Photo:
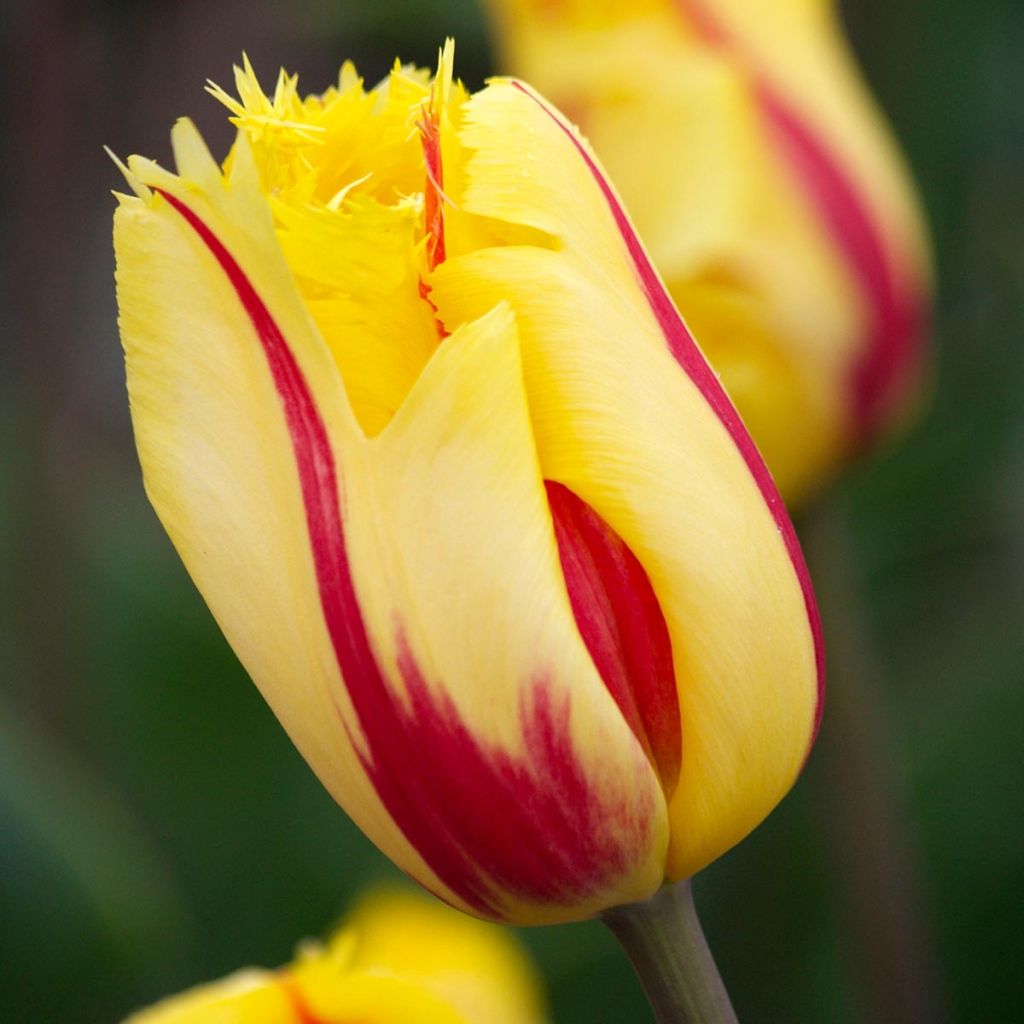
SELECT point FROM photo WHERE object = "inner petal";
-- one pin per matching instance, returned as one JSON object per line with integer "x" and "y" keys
{"x": 623, "y": 626}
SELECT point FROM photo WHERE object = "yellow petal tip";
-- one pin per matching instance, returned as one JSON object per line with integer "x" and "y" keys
{"x": 191, "y": 155}
{"x": 141, "y": 190}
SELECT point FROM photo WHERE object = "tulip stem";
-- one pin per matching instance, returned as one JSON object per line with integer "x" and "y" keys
{"x": 666, "y": 944}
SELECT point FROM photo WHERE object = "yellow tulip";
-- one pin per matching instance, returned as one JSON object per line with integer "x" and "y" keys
{"x": 770, "y": 193}
{"x": 397, "y": 959}
{"x": 462, "y": 493}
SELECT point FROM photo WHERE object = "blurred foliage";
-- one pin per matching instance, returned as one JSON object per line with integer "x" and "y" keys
{"x": 157, "y": 828}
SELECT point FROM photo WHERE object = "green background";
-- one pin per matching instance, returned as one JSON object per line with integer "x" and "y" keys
{"x": 157, "y": 828}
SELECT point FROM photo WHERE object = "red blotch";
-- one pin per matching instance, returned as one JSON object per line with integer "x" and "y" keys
{"x": 492, "y": 826}
{"x": 622, "y": 624}
{"x": 682, "y": 346}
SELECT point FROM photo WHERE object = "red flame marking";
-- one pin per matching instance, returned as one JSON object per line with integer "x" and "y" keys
{"x": 622, "y": 624}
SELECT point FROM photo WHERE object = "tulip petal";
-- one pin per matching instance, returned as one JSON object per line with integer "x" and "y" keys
{"x": 621, "y": 622}
{"x": 321, "y": 992}
{"x": 498, "y": 750}
{"x": 765, "y": 291}
{"x": 629, "y": 417}
{"x": 203, "y": 290}
{"x": 358, "y": 271}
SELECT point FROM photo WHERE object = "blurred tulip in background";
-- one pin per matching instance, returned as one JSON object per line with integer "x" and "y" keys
{"x": 770, "y": 194}
{"x": 397, "y": 959}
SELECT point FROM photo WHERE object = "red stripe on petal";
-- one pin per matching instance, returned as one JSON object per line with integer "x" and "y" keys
{"x": 682, "y": 346}
{"x": 622, "y": 624}
{"x": 493, "y": 827}
{"x": 898, "y": 306}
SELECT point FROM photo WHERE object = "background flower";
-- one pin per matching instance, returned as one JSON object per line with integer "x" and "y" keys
{"x": 396, "y": 958}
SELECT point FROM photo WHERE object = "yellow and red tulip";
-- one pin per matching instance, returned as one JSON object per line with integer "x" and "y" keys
{"x": 461, "y": 491}
{"x": 770, "y": 193}
{"x": 396, "y": 959}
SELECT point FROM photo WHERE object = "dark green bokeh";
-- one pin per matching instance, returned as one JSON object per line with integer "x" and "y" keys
{"x": 157, "y": 828}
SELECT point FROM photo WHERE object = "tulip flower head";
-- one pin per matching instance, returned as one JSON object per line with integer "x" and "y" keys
{"x": 462, "y": 493}
{"x": 771, "y": 195}
{"x": 396, "y": 959}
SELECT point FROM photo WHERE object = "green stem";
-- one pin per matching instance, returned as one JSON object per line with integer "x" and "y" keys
{"x": 666, "y": 944}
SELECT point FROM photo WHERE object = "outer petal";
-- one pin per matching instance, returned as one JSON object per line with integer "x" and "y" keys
{"x": 398, "y": 600}
{"x": 215, "y": 443}
{"x": 628, "y": 416}
{"x": 796, "y": 46}
{"x": 502, "y": 754}
{"x": 399, "y": 959}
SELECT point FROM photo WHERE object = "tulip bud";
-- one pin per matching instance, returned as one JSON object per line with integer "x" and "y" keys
{"x": 770, "y": 193}
{"x": 462, "y": 493}
{"x": 396, "y": 958}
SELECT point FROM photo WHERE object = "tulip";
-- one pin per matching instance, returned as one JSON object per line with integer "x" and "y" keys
{"x": 397, "y": 958}
{"x": 772, "y": 198}
{"x": 461, "y": 491}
